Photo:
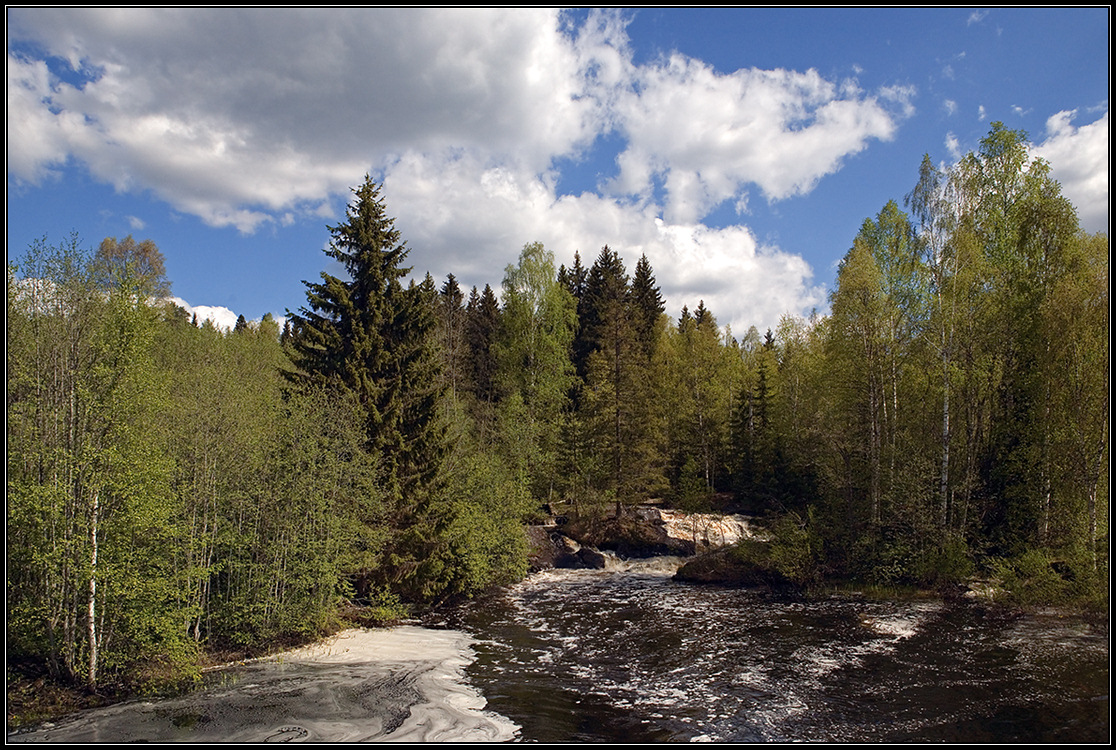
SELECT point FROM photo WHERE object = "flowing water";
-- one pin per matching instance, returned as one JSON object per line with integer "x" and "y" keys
{"x": 629, "y": 655}
{"x": 632, "y": 655}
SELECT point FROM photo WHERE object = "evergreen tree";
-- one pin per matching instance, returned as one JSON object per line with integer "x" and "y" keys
{"x": 451, "y": 335}
{"x": 482, "y": 327}
{"x": 606, "y": 330}
{"x": 370, "y": 335}
{"x": 647, "y": 307}
{"x": 575, "y": 281}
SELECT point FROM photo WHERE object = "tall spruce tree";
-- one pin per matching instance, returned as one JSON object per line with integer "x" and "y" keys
{"x": 647, "y": 307}
{"x": 607, "y": 330}
{"x": 482, "y": 324}
{"x": 369, "y": 335}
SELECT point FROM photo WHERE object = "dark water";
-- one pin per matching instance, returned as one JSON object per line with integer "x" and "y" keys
{"x": 631, "y": 655}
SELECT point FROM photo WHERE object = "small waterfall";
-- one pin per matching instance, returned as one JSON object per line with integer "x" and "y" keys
{"x": 665, "y": 565}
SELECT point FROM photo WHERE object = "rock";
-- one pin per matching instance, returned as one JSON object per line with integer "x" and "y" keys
{"x": 704, "y": 530}
{"x": 591, "y": 558}
{"x": 627, "y": 536}
{"x": 552, "y": 549}
{"x": 747, "y": 565}
{"x": 648, "y": 531}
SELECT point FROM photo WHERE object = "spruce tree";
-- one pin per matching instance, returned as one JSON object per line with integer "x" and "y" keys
{"x": 371, "y": 336}
{"x": 647, "y": 307}
{"x": 576, "y": 281}
{"x": 451, "y": 335}
{"x": 482, "y": 323}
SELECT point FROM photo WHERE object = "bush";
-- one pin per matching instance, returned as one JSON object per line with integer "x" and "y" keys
{"x": 1030, "y": 578}
{"x": 946, "y": 562}
{"x": 792, "y": 549}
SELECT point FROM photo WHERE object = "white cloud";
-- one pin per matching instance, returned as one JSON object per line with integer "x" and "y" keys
{"x": 237, "y": 115}
{"x": 953, "y": 146}
{"x": 976, "y": 17}
{"x": 222, "y": 317}
{"x": 950, "y": 107}
{"x": 740, "y": 281}
{"x": 706, "y": 135}
{"x": 246, "y": 117}
{"x": 1079, "y": 159}
{"x": 36, "y": 136}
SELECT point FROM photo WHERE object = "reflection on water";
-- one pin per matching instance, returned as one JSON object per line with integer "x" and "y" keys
{"x": 632, "y": 655}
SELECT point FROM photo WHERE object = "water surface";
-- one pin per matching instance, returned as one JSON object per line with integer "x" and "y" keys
{"x": 632, "y": 655}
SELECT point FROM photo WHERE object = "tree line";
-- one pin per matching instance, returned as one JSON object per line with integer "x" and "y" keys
{"x": 172, "y": 486}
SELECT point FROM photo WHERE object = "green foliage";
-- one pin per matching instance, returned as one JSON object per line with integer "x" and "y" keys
{"x": 1029, "y": 578}
{"x": 537, "y": 325}
{"x": 370, "y": 336}
{"x": 794, "y": 548}
{"x": 947, "y": 561}
{"x": 1051, "y": 577}
{"x": 193, "y": 488}
{"x": 91, "y": 521}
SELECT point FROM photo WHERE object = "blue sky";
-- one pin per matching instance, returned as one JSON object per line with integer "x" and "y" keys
{"x": 740, "y": 149}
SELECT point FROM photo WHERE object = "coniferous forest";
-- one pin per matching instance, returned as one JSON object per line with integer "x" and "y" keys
{"x": 174, "y": 488}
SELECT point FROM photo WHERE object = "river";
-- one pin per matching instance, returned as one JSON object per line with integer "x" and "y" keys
{"x": 627, "y": 654}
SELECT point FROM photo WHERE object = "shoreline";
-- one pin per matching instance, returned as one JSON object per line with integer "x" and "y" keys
{"x": 403, "y": 683}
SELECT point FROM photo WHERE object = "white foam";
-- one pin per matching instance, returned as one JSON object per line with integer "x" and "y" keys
{"x": 451, "y": 710}
{"x": 403, "y": 684}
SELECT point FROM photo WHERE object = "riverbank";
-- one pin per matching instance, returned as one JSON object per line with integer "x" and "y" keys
{"x": 34, "y": 698}
{"x": 402, "y": 683}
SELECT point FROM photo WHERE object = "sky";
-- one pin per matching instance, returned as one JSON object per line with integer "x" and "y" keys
{"x": 739, "y": 149}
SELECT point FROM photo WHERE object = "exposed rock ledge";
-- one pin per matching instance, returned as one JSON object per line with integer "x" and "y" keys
{"x": 639, "y": 531}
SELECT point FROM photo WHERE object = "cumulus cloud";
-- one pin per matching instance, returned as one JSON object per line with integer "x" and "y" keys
{"x": 1079, "y": 160}
{"x": 953, "y": 146}
{"x": 705, "y": 135}
{"x": 236, "y": 115}
{"x": 221, "y": 317}
{"x": 742, "y": 282}
{"x": 248, "y": 117}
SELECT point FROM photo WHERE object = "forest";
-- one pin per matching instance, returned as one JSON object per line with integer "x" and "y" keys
{"x": 174, "y": 488}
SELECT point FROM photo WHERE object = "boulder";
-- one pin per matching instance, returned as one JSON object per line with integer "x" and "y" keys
{"x": 746, "y": 565}
{"x": 552, "y": 549}
{"x": 627, "y": 536}
{"x": 648, "y": 531}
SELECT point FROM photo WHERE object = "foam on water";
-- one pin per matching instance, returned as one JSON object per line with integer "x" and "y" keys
{"x": 403, "y": 684}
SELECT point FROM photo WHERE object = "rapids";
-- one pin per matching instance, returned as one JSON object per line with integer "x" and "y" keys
{"x": 627, "y": 654}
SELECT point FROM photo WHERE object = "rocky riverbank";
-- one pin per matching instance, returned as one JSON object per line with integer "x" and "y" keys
{"x": 636, "y": 532}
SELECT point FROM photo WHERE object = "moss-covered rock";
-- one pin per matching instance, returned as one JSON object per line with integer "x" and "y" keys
{"x": 746, "y": 564}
